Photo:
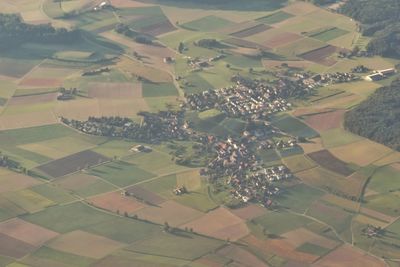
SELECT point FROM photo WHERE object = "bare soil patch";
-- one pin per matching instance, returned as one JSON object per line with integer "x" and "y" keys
{"x": 159, "y": 28}
{"x": 14, "y": 248}
{"x": 282, "y": 39}
{"x": 115, "y": 90}
{"x": 145, "y": 195}
{"x": 170, "y": 211}
{"x": 116, "y": 202}
{"x": 330, "y": 162}
{"x": 251, "y": 31}
{"x": 348, "y": 256}
{"x": 301, "y": 235}
{"x": 41, "y": 82}
{"x": 85, "y": 244}
{"x": 72, "y": 163}
{"x": 26, "y": 232}
{"x": 326, "y": 120}
{"x": 220, "y": 223}
{"x": 249, "y": 212}
{"x": 321, "y": 55}
{"x": 32, "y": 99}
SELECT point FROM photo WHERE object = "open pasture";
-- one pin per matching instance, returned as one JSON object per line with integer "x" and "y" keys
{"x": 240, "y": 256}
{"x": 220, "y": 223}
{"x": 121, "y": 173}
{"x": 85, "y": 244}
{"x": 26, "y": 232}
{"x": 328, "y": 180}
{"x": 14, "y": 248}
{"x": 115, "y": 90}
{"x": 275, "y": 17}
{"x": 116, "y": 202}
{"x": 170, "y": 211}
{"x": 66, "y": 218}
{"x": 84, "y": 185}
{"x": 159, "y": 90}
{"x": 9, "y": 209}
{"x": 385, "y": 180}
{"x": 299, "y": 47}
{"x": 338, "y": 137}
{"x": 14, "y": 68}
{"x": 301, "y": 236}
{"x": 349, "y": 256}
{"x": 28, "y": 200}
{"x": 33, "y": 99}
{"x": 54, "y": 193}
{"x": 293, "y": 126}
{"x": 282, "y": 249}
{"x": 73, "y": 163}
{"x": 325, "y": 159}
{"x": 328, "y": 34}
{"x": 250, "y": 31}
{"x": 60, "y": 147}
{"x": 299, "y": 197}
{"x": 298, "y": 163}
{"x": 180, "y": 245}
{"x": 207, "y": 24}
{"x": 336, "y": 217}
{"x": 11, "y": 181}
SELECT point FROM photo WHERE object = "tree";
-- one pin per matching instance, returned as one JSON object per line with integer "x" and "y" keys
{"x": 181, "y": 47}
{"x": 166, "y": 227}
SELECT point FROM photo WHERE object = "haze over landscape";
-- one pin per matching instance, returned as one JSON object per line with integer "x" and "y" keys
{"x": 201, "y": 133}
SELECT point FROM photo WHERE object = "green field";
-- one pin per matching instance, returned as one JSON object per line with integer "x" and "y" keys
{"x": 293, "y": 126}
{"x": 280, "y": 222}
{"x": 121, "y": 173}
{"x": 207, "y": 24}
{"x": 299, "y": 197}
{"x": 329, "y": 34}
{"x": 159, "y": 90}
{"x": 181, "y": 245}
{"x": 275, "y": 17}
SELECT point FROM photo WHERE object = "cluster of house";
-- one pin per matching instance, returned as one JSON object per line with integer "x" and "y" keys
{"x": 101, "y": 6}
{"x": 250, "y": 181}
{"x": 240, "y": 101}
{"x": 66, "y": 94}
{"x": 141, "y": 148}
{"x": 154, "y": 128}
{"x": 372, "y": 231}
{"x": 180, "y": 190}
{"x": 336, "y": 77}
{"x": 96, "y": 71}
{"x": 378, "y": 75}
{"x": 259, "y": 185}
{"x": 200, "y": 62}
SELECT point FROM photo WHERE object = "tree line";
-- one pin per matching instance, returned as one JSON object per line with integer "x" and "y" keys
{"x": 13, "y": 32}
{"x": 380, "y": 20}
{"x": 377, "y": 118}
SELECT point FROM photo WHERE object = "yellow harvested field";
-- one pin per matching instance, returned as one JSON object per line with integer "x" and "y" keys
{"x": 191, "y": 180}
{"x": 25, "y": 120}
{"x": 312, "y": 145}
{"x": 85, "y": 244}
{"x": 392, "y": 158}
{"x": 11, "y": 181}
{"x": 376, "y": 214}
{"x": 368, "y": 220}
{"x": 347, "y": 255}
{"x": 362, "y": 153}
{"x": 170, "y": 211}
{"x": 58, "y": 148}
{"x": 341, "y": 202}
{"x": 300, "y": 8}
{"x": 220, "y": 223}
{"x": 26, "y": 232}
{"x": 300, "y": 236}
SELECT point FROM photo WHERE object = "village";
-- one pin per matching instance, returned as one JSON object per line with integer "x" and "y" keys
{"x": 239, "y": 167}
{"x": 154, "y": 128}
